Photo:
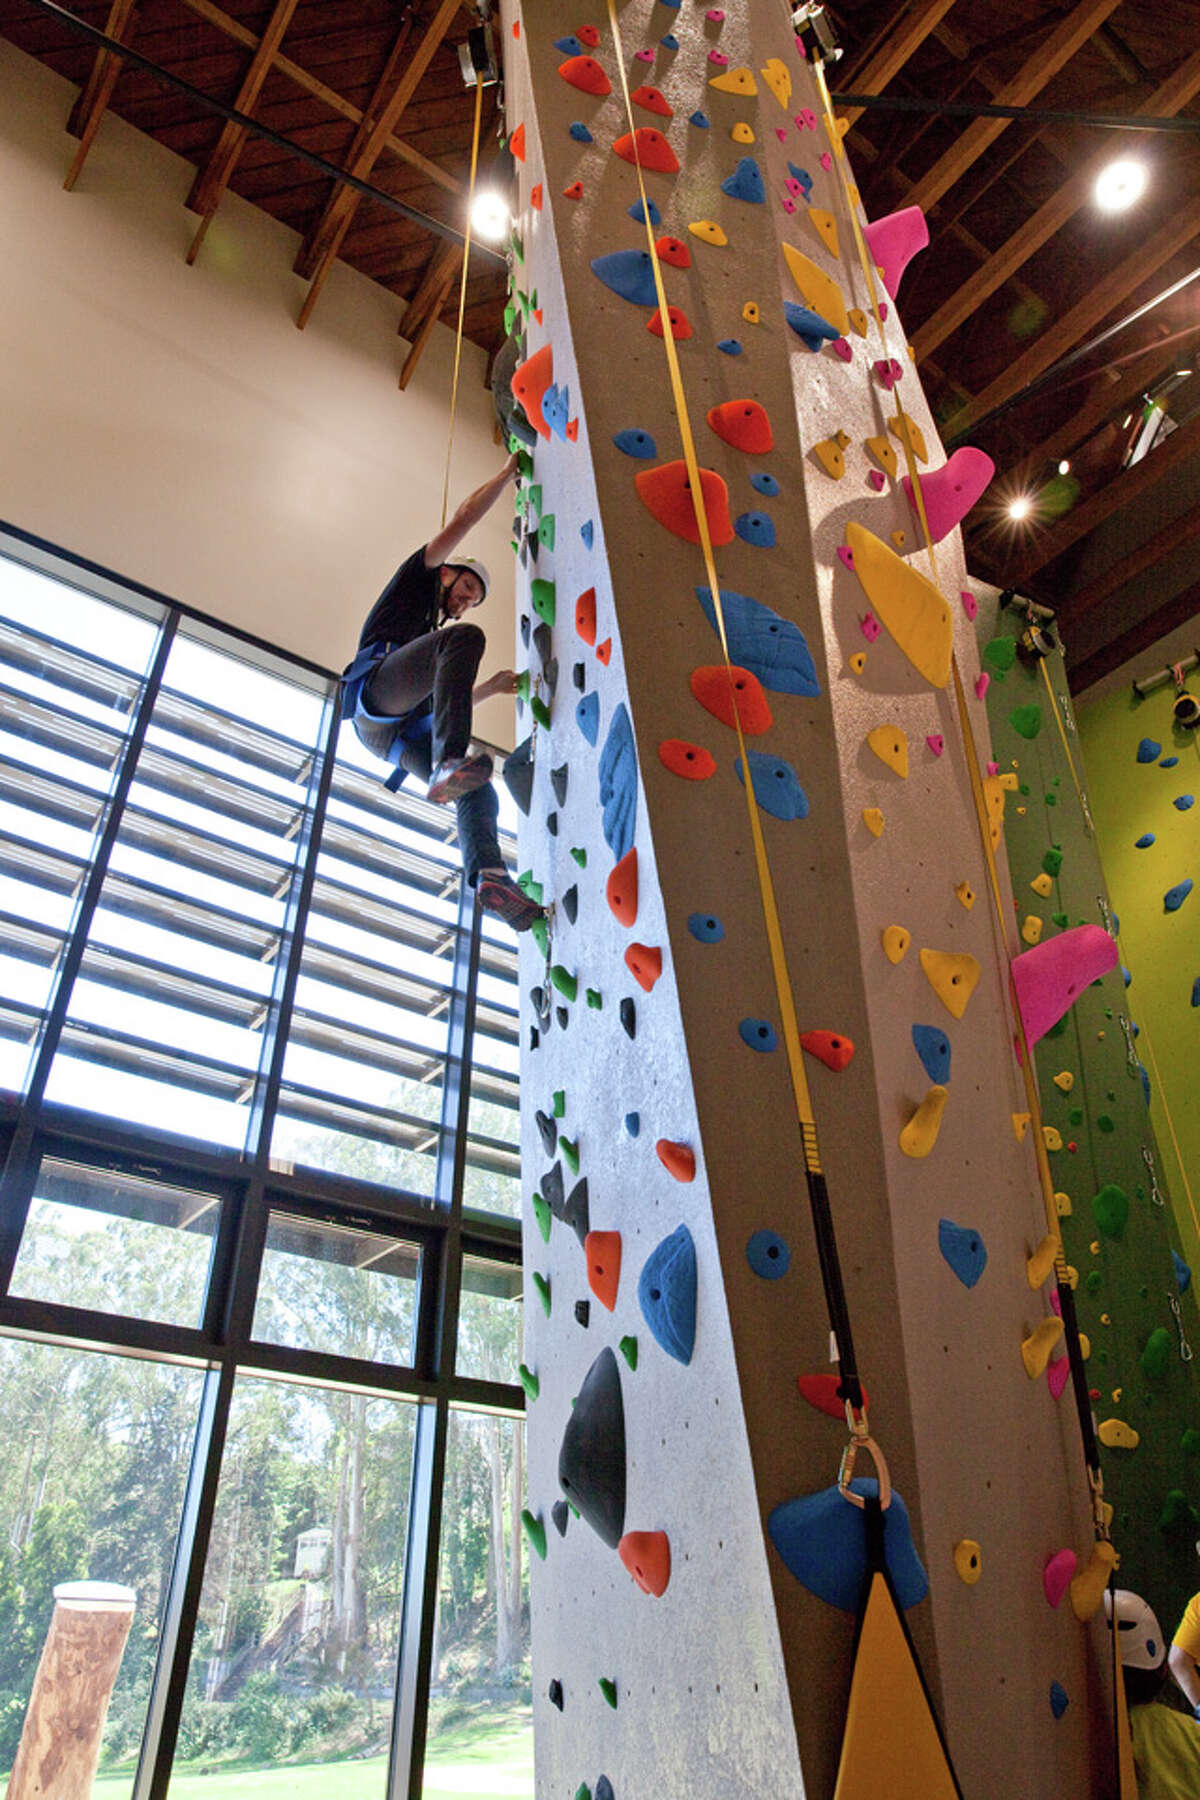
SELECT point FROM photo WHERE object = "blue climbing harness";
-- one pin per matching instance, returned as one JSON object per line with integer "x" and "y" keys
{"x": 411, "y": 732}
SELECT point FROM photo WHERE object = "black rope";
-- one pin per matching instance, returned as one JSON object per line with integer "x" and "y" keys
{"x": 1034, "y": 115}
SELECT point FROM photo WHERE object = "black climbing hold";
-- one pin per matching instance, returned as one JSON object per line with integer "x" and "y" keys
{"x": 574, "y": 1210}
{"x": 542, "y": 644}
{"x": 628, "y": 1012}
{"x": 518, "y": 774}
{"x": 604, "y": 1789}
{"x": 552, "y": 1192}
{"x": 534, "y": 1037}
{"x": 525, "y": 629}
{"x": 591, "y": 1460}
{"x": 552, "y": 823}
{"x": 560, "y": 1512}
{"x": 549, "y": 1131}
{"x": 555, "y": 1690}
{"x": 583, "y": 1312}
{"x": 667, "y": 1294}
{"x": 579, "y": 676}
{"x": 570, "y": 904}
{"x": 558, "y": 781}
{"x": 563, "y": 1016}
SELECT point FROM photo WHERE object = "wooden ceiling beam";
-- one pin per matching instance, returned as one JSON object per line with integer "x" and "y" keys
{"x": 1012, "y": 255}
{"x": 211, "y": 182}
{"x": 1173, "y": 235}
{"x": 1040, "y": 68}
{"x": 446, "y": 259}
{"x": 1173, "y": 614}
{"x": 344, "y": 204}
{"x": 904, "y": 39}
{"x": 1173, "y": 536}
{"x": 93, "y": 99}
{"x": 434, "y": 300}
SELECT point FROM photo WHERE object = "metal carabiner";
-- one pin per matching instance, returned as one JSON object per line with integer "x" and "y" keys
{"x": 862, "y": 1440}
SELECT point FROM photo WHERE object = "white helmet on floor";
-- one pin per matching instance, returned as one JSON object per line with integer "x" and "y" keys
{"x": 1138, "y": 1631}
{"x": 471, "y": 567}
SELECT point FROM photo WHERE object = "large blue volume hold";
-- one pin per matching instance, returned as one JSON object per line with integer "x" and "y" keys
{"x": 591, "y": 1459}
{"x": 771, "y": 647}
{"x": 618, "y": 784}
{"x": 809, "y": 326}
{"x": 746, "y": 182}
{"x": 822, "y": 1540}
{"x": 629, "y": 273}
{"x": 667, "y": 1294}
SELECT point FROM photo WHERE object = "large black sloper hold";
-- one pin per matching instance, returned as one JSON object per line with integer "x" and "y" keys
{"x": 591, "y": 1460}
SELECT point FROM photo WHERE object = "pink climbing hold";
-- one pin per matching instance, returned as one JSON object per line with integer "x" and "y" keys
{"x": 982, "y": 684}
{"x": 789, "y": 206}
{"x": 781, "y": 133}
{"x": 993, "y": 768}
{"x": 870, "y": 627}
{"x": 646, "y": 56}
{"x": 950, "y": 492}
{"x": 845, "y": 556}
{"x": 1057, "y": 1574}
{"x": 1058, "y": 1373}
{"x": 876, "y": 479}
{"x": 715, "y": 16}
{"x": 826, "y": 161}
{"x": 970, "y": 604}
{"x": 793, "y": 186}
{"x": 719, "y": 57}
{"x": 883, "y": 311}
{"x": 889, "y": 372}
{"x": 807, "y": 119}
{"x": 842, "y": 350}
{"x": 936, "y": 742}
{"x": 1048, "y": 979}
{"x": 894, "y": 241}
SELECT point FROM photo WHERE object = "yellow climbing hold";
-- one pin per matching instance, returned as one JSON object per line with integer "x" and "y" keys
{"x": 840, "y": 128}
{"x": 818, "y": 289}
{"x": 1116, "y": 1394}
{"x": 1052, "y": 1137}
{"x": 968, "y": 1561}
{"x": 891, "y": 747}
{"x": 993, "y": 795}
{"x": 889, "y": 1722}
{"x": 735, "y": 81}
{"x": 895, "y": 942}
{"x": 901, "y": 426}
{"x": 1020, "y": 1125}
{"x": 857, "y": 664}
{"x": 751, "y": 313}
{"x": 1008, "y": 782}
{"x": 742, "y": 134}
{"x": 899, "y": 538}
{"x": 1064, "y": 1080}
{"x": 873, "y": 820}
{"x": 778, "y": 78}
{"x": 1085, "y": 1342}
{"x": 1115, "y": 1434}
{"x": 1062, "y": 1205}
{"x": 952, "y": 974}
{"x": 906, "y": 603}
{"x": 858, "y": 319}
{"x": 921, "y": 1133}
{"x": 965, "y": 894}
{"x": 708, "y": 231}
{"x": 1031, "y": 930}
{"x": 1039, "y": 1265}
{"x": 1087, "y": 1588}
{"x": 829, "y": 454}
{"x": 1042, "y": 885}
{"x": 884, "y": 455}
{"x": 825, "y": 226}
{"x": 1037, "y": 1348}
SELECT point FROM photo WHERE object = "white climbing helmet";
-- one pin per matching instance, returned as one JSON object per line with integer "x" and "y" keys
{"x": 472, "y": 567}
{"x": 1140, "y": 1635}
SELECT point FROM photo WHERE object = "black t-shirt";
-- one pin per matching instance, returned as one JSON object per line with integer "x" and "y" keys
{"x": 408, "y": 606}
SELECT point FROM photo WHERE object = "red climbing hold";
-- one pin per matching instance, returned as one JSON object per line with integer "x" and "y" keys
{"x": 587, "y": 34}
{"x": 730, "y": 694}
{"x": 674, "y": 251}
{"x": 677, "y": 1159}
{"x": 604, "y": 652}
{"x": 585, "y": 73}
{"x": 603, "y": 1252}
{"x": 653, "y": 101}
{"x": 585, "y": 614}
{"x": 644, "y": 962}
{"x": 516, "y": 142}
{"x": 833, "y": 1048}
{"x": 574, "y": 192}
{"x": 529, "y": 384}
{"x": 691, "y": 761}
{"x": 621, "y": 889}
{"x": 573, "y": 430}
{"x": 821, "y": 1391}
{"x": 647, "y": 1556}
{"x": 745, "y": 425}
{"x": 668, "y": 494}
{"x": 680, "y": 326}
{"x": 535, "y": 196}
{"x": 649, "y": 148}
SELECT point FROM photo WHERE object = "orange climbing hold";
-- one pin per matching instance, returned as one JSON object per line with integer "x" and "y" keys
{"x": 574, "y": 192}
{"x": 821, "y": 1391}
{"x": 730, "y": 694}
{"x": 744, "y": 424}
{"x": 529, "y": 384}
{"x": 585, "y": 73}
{"x": 649, "y": 148}
{"x": 621, "y": 889}
{"x": 516, "y": 142}
{"x": 588, "y": 34}
{"x": 585, "y": 614}
{"x": 691, "y": 761}
{"x": 680, "y": 325}
{"x": 674, "y": 251}
{"x": 603, "y": 1252}
{"x": 647, "y": 1556}
{"x": 833, "y": 1048}
{"x": 677, "y": 1159}
{"x": 535, "y": 196}
{"x": 644, "y": 962}
{"x": 573, "y": 430}
{"x": 604, "y": 652}
{"x": 653, "y": 101}
{"x": 668, "y": 494}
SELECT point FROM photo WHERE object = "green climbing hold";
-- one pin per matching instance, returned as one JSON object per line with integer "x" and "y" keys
{"x": 529, "y": 1381}
{"x": 558, "y": 1103}
{"x": 1025, "y": 790}
{"x": 1075, "y": 1116}
{"x": 540, "y": 711}
{"x": 1001, "y": 653}
{"x": 529, "y": 886}
{"x": 628, "y": 1347}
{"x": 543, "y": 1216}
{"x": 580, "y": 856}
{"x": 570, "y": 1154}
{"x": 546, "y": 532}
{"x": 510, "y": 318}
{"x": 1052, "y": 861}
{"x": 595, "y": 999}
{"x": 1177, "y": 1513}
{"x": 542, "y": 1284}
{"x": 1104, "y": 1123}
{"x": 1111, "y": 1209}
{"x": 583, "y": 1791}
{"x": 539, "y": 931}
{"x": 566, "y": 983}
{"x": 541, "y": 598}
{"x": 535, "y": 1531}
{"x": 1095, "y": 1282}
{"x": 1189, "y": 1443}
{"x": 522, "y": 687}
{"x": 1156, "y": 1357}
{"x": 535, "y": 497}
{"x": 1026, "y": 721}
{"x": 609, "y": 1690}
{"x": 1062, "y": 920}
{"x": 1051, "y": 799}
{"x": 1058, "y": 1029}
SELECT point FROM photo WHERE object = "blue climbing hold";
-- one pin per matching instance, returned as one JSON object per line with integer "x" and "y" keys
{"x": 580, "y": 132}
{"x": 587, "y": 717}
{"x": 822, "y": 1541}
{"x": 670, "y": 42}
{"x": 629, "y": 273}
{"x": 776, "y": 785}
{"x": 638, "y": 212}
{"x": 809, "y": 326}
{"x": 587, "y": 532}
{"x": 570, "y": 46}
{"x": 618, "y": 784}
{"x": 755, "y": 528}
{"x": 1058, "y": 1699}
{"x": 1183, "y": 802}
{"x": 746, "y": 182}
{"x": 1145, "y": 1080}
{"x": 800, "y": 175}
{"x": 1145, "y": 841}
{"x": 699, "y": 119}
{"x": 635, "y": 443}
{"x": 556, "y": 409}
{"x": 706, "y": 928}
{"x": 1196, "y": 991}
{"x": 1126, "y": 975}
{"x": 758, "y": 1034}
{"x": 1183, "y": 1274}
{"x": 633, "y": 1123}
{"x": 762, "y": 641}
{"x": 730, "y": 346}
{"x": 1169, "y": 762}
{"x": 667, "y": 1294}
{"x": 933, "y": 1047}
{"x": 1148, "y": 751}
{"x": 963, "y": 1249}
{"x": 1174, "y": 897}
{"x": 764, "y": 483}
{"x": 768, "y": 1255}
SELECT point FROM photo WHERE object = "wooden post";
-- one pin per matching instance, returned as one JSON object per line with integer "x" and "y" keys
{"x": 64, "y": 1721}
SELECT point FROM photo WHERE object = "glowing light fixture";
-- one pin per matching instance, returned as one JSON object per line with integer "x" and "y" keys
{"x": 1020, "y": 507}
{"x": 1064, "y": 467}
{"x": 1119, "y": 185}
{"x": 490, "y": 217}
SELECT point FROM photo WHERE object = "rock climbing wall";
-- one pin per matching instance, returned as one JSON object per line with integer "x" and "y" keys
{"x": 693, "y": 1614}
{"x": 1134, "y": 1296}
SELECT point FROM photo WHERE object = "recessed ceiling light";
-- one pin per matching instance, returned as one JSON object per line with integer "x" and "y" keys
{"x": 1020, "y": 508}
{"x": 490, "y": 216}
{"x": 1119, "y": 185}
{"x": 1064, "y": 467}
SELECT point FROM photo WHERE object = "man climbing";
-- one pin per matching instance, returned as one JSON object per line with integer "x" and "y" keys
{"x": 409, "y": 693}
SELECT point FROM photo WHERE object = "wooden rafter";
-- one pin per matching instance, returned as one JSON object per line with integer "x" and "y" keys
{"x": 344, "y": 204}
{"x": 1029, "y": 81}
{"x": 1173, "y": 536}
{"x": 424, "y": 309}
{"x": 902, "y": 42}
{"x": 211, "y": 182}
{"x": 93, "y": 100}
{"x": 1169, "y": 617}
{"x": 1165, "y": 102}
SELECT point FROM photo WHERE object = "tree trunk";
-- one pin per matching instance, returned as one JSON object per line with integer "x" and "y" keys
{"x": 64, "y": 1721}
{"x": 515, "y": 1534}
{"x": 496, "y": 1547}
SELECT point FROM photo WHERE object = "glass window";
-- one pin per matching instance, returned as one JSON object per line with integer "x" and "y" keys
{"x": 490, "y": 1320}
{"x": 334, "y": 1288}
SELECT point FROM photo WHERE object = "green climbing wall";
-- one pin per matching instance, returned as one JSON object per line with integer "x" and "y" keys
{"x": 1134, "y": 1299}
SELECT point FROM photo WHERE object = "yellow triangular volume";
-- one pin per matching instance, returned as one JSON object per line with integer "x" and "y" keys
{"x": 825, "y": 226}
{"x": 906, "y": 603}
{"x": 778, "y": 78}
{"x": 818, "y": 290}
{"x": 891, "y": 747}
{"x": 891, "y": 1745}
{"x": 735, "y": 81}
